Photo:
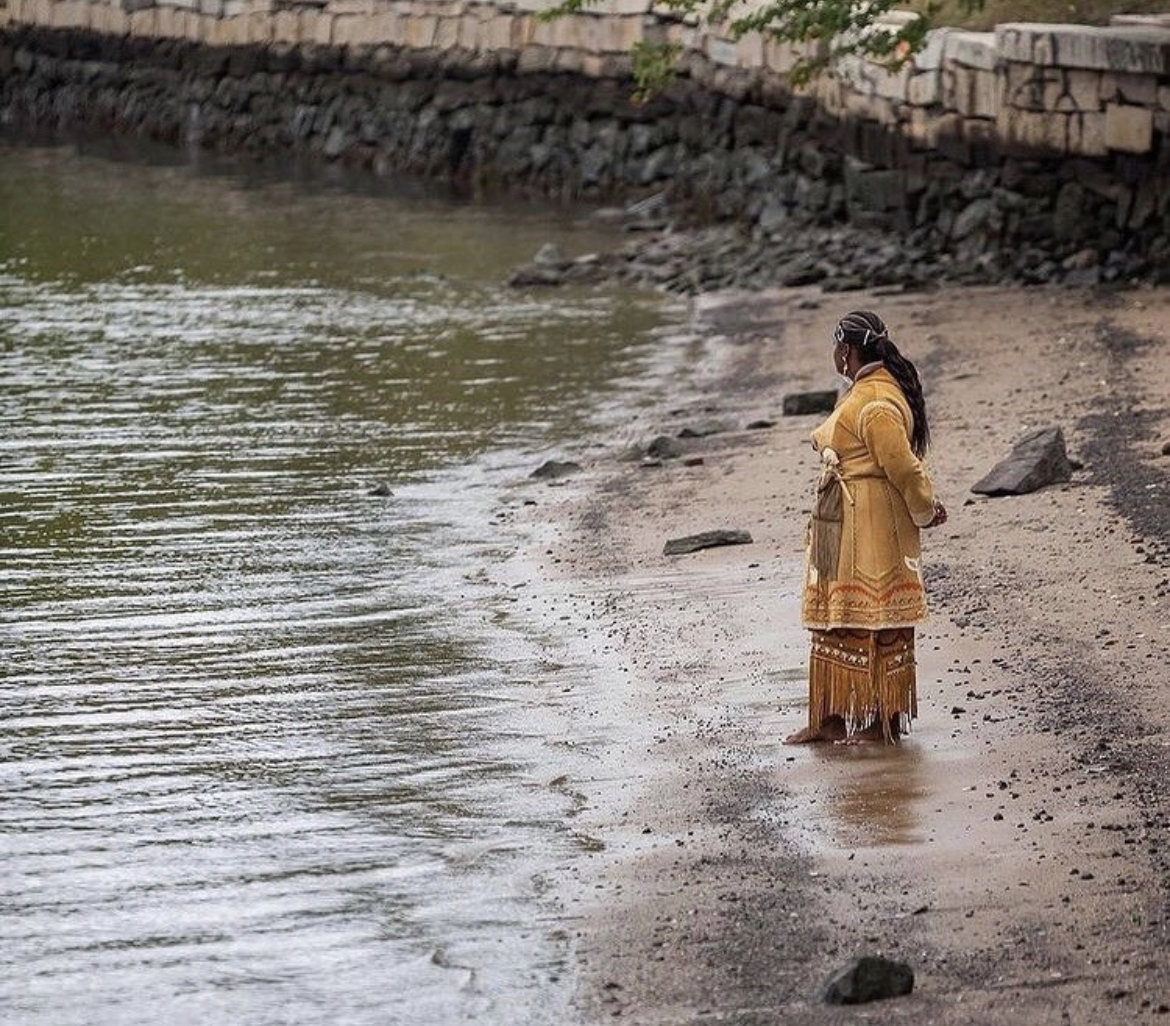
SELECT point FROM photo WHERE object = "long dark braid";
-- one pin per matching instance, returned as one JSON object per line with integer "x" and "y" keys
{"x": 868, "y": 333}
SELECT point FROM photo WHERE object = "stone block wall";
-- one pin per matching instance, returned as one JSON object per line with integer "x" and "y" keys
{"x": 1033, "y": 144}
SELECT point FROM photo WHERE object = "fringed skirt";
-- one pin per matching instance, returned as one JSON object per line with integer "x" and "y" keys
{"x": 865, "y": 677}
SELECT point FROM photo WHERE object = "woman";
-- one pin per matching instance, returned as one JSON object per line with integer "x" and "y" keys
{"x": 863, "y": 584}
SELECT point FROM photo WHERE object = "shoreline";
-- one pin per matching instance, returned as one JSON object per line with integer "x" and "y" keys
{"x": 1010, "y": 848}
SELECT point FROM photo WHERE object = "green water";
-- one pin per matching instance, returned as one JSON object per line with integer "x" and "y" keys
{"x": 262, "y": 760}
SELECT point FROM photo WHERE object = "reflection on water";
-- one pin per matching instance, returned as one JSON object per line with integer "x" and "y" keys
{"x": 265, "y": 758}
{"x": 878, "y": 792}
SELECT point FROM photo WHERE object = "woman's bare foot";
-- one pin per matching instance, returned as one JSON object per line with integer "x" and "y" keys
{"x": 830, "y": 731}
{"x": 873, "y": 734}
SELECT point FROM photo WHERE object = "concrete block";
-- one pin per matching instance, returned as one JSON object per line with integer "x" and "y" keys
{"x": 110, "y": 20}
{"x": 286, "y": 27}
{"x": 1129, "y": 129}
{"x": 542, "y": 34}
{"x": 779, "y": 57}
{"x": 1073, "y": 89}
{"x": 972, "y": 92}
{"x": 618, "y": 35}
{"x": 721, "y": 51}
{"x": 1024, "y": 85}
{"x": 972, "y": 49}
{"x": 750, "y": 51}
{"x": 868, "y": 108}
{"x": 234, "y": 8}
{"x": 522, "y": 28}
{"x": 420, "y": 32}
{"x": 1033, "y": 131}
{"x": 211, "y": 7}
{"x": 1086, "y": 135}
{"x": 921, "y": 128}
{"x": 933, "y": 52}
{"x": 39, "y": 12}
{"x": 1141, "y": 90}
{"x": 447, "y": 33}
{"x": 924, "y": 89}
{"x": 1134, "y": 49}
{"x": 357, "y": 8}
{"x": 1144, "y": 20}
{"x": 623, "y": 7}
{"x": 323, "y": 29}
{"x": 169, "y": 26}
{"x": 70, "y": 14}
{"x": 259, "y": 29}
{"x": 144, "y": 23}
{"x": 891, "y": 85}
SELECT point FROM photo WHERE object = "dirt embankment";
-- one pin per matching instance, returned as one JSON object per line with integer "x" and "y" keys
{"x": 1014, "y": 848}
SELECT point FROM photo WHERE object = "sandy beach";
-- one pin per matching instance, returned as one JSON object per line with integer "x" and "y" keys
{"x": 1013, "y": 848}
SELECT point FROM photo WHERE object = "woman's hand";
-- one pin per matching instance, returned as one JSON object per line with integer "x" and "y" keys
{"x": 940, "y": 515}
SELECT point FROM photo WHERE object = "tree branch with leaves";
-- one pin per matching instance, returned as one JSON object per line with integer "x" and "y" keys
{"x": 835, "y": 28}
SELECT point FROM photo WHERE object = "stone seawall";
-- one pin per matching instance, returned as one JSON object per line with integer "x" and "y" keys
{"x": 1032, "y": 152}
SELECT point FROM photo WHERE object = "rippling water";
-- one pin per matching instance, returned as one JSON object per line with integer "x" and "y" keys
{"x": 267, "y": 755}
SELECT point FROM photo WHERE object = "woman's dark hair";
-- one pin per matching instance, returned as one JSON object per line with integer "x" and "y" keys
{"x": 867, "y": 333}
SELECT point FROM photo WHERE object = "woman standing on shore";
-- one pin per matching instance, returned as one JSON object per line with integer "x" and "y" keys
{"x": 863, "y": 590}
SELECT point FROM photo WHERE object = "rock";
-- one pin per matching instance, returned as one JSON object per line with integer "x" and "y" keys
{"x": 773, "y": 216}
{"x": 977, "y": 216}
{"x": 631, "y": 454}
{"x": 694, "y": 461}
{"x": 1081, "y": 260}
{"x": 1166, "y": 448}
{"x": 549, "y": 255}
{"x": 869, "y": 978}
{"x": 381, "y": 489}
{"x": 703, "y": 428}
{"x": 1036, "y": 460}
{"x": 798, "y": 404}
{"x": 761, "y": 425}
{"x": 664, "y": 448}
{"x": 705, "y": 540}
{"x": 535, "y": 274}
{"x": 551, "y": 470}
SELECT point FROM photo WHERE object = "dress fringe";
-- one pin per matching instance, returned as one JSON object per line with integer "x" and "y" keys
{"x": 864, "y": 677}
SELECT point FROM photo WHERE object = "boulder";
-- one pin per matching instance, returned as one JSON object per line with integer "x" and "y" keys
{"x": 551, "y": 470}
{"x": 703, "y": 428}
{"x": 869, "y": 978}
{"x": 705, "y": 540}
{"x": 798, "y": 404}
{"x": 1036, "y": 460}
{"x": 664, "y": 448}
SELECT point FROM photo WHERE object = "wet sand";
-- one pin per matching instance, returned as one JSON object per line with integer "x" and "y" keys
{"x": 1013, "y": 848}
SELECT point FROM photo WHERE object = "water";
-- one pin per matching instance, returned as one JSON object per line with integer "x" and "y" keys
{"x": 269, "y": 752}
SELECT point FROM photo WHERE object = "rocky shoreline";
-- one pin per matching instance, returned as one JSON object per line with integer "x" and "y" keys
{"x": 665, "y": 251}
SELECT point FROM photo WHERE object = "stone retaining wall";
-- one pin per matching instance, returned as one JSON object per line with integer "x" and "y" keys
{"x": 1032, "y": 147}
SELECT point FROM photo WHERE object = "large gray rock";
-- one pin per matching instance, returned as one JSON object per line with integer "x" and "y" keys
{"x": 869, "y": 978}
{"x": 1038, "y": 459}
{"x": 551, "y": 470}
{"x": 705, "y": 540}
{"x": 664, "y": 448}
{"x": 800, "y": 403}
{"x": 703, "y": 428}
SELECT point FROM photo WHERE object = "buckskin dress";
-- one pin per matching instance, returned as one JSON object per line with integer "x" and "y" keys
{"x": 862, "y": 612}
